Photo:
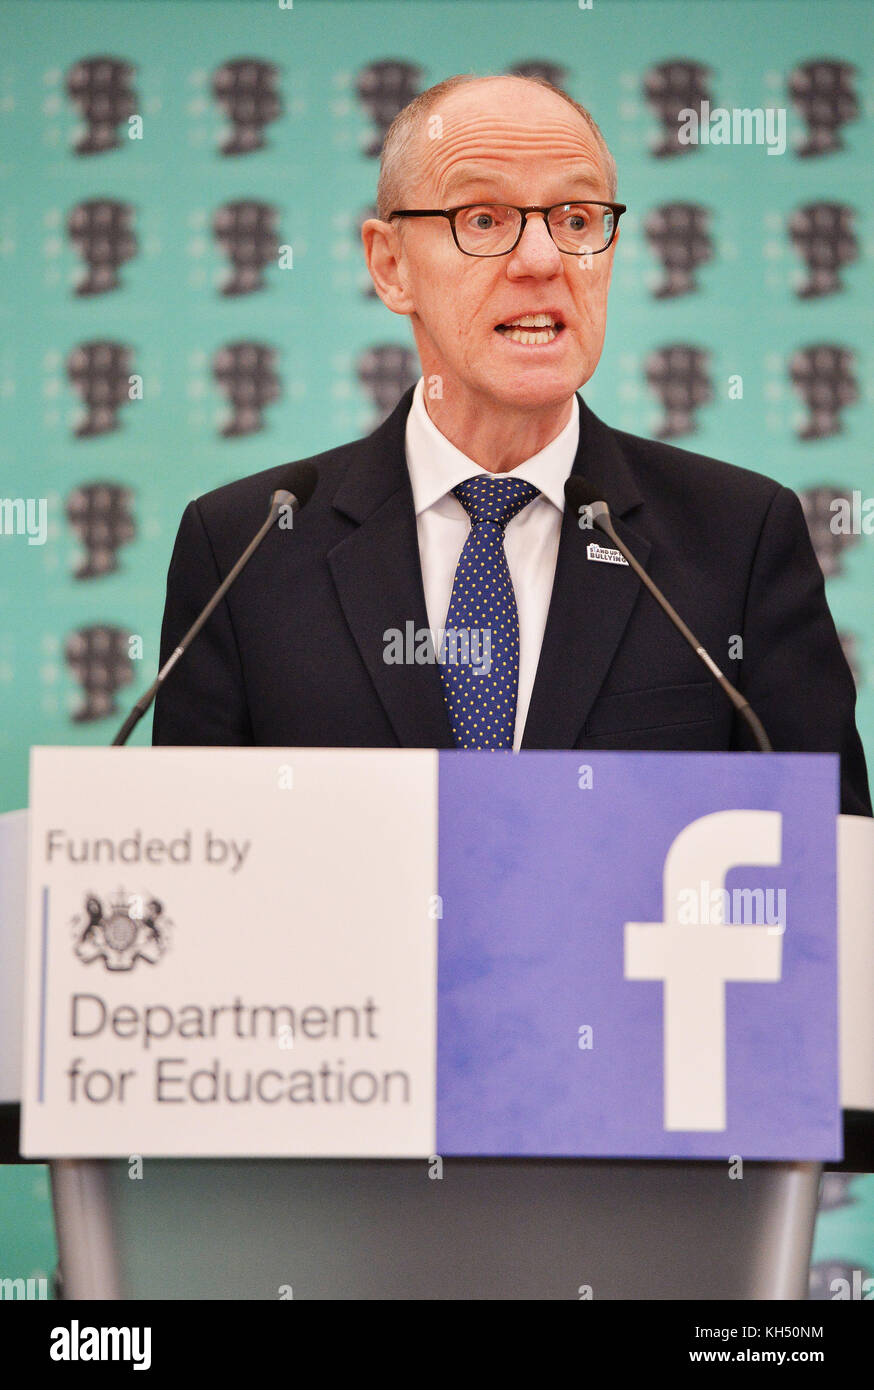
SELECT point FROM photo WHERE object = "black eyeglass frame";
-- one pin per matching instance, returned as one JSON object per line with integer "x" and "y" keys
{"x": 451, "y": 213}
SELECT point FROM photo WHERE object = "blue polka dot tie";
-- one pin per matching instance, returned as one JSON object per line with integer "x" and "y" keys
{"x": 480, "y": 667}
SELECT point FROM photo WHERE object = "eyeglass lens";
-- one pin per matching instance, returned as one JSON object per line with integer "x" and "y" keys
{"x": 488, "y": 229}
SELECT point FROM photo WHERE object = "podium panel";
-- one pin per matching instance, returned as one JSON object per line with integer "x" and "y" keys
{"x": 488, "y": 1229}
{"x": 362, "y": 953}
{"x": 521, "y": 1218}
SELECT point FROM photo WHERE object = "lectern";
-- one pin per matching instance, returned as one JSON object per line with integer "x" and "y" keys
{"x": 341, "y": 1023}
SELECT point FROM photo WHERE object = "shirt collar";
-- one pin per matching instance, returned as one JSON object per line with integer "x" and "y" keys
{"x": 436, "y": 466}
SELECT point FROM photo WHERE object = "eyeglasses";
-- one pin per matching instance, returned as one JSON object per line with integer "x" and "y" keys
{"x": 489, "y": 229}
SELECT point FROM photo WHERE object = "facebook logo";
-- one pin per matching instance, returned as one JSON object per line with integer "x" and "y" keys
{"x": 696, "y": 959}
{"x": 640, "y": 961}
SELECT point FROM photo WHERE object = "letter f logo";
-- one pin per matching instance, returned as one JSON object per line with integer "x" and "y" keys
{"x": 696, "y": 960}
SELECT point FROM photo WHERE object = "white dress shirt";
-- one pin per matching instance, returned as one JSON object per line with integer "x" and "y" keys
{"x": 530, "y": 540}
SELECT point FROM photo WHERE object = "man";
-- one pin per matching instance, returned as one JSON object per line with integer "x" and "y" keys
{"x": 496, "y": 234}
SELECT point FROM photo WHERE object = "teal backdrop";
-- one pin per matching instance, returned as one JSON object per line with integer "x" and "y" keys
{"x": 327, "y": 352}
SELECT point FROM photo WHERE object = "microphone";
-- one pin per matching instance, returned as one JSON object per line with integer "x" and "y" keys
{"x": 299, "y": 481}
{"x": 580, "y": 496}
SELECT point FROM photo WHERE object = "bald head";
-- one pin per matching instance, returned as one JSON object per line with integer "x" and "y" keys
{"x": 457, "y": 120}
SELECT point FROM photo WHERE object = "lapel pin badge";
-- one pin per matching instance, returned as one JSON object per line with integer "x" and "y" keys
{"x": 594, "y": 551}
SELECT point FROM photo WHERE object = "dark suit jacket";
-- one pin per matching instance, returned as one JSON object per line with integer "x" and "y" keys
{"x": 294, "y": 655}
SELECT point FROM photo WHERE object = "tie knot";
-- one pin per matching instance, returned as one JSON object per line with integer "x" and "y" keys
{"x": 490, "y": 498}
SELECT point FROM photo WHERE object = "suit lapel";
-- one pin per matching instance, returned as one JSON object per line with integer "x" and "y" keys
{"x": 378, "y": 576}
{"x": 591, "y": 600}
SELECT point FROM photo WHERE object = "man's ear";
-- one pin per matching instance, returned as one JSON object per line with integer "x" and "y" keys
{"x": 385, "y": 262}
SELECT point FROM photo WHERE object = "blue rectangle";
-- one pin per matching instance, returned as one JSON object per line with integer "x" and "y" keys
{"x": 541, "y": 864}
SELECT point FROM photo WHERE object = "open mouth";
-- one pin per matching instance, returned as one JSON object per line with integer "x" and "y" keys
{"x": 531, "y": 329}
